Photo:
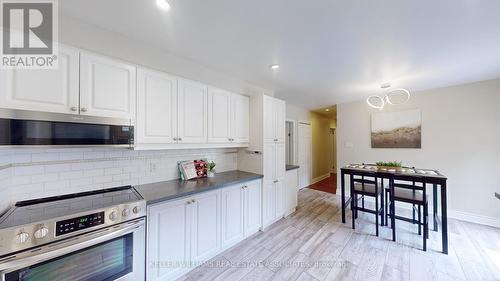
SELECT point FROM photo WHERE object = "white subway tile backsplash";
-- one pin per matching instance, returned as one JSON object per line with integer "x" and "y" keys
{"x": 39, "y": 173}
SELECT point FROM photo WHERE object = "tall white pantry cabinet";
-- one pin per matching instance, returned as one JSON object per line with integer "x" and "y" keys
{"x": 266, "y": 155}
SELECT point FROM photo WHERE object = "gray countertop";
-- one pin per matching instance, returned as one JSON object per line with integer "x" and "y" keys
{"x": 168, "y": 190}
{"x": 291, "y": 167}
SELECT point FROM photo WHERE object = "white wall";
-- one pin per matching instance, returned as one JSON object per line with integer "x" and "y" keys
{"x": 460, "y": 138}
{"x": 89, "y": 37}
{"x": 296, "y": 113}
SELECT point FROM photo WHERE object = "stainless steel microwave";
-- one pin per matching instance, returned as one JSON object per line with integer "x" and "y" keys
{"x": 33, "y": 128}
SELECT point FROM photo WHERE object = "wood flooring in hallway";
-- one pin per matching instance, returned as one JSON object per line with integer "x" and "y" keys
{"x": 327, "y": 185}
{"x": 312, "y": 244}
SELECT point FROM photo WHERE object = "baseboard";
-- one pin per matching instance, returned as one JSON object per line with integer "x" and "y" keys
{"x": 320, "y": 178}
{"x": 474, "y": 218}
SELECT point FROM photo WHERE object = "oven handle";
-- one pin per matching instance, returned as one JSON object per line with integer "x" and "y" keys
{"x": 57, "y": 249}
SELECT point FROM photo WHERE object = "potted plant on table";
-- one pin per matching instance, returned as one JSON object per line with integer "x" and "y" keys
{"x": 211, "y": 169}
{"x": 387, "y": 166}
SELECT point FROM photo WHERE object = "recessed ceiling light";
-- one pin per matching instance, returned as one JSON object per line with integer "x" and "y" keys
{"x": 274, "y": 66}
{"x": 327, "y": 109}
{"x": 163, "y": 4}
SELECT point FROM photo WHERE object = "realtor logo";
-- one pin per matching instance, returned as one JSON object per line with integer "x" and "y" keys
{"x": 29, "y": 34}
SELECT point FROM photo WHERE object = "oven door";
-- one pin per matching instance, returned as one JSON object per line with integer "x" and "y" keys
{"x": 114, "y": 253}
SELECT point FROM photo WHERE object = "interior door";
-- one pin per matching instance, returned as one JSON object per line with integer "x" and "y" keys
{"x": 240, "y": 124}
{"x": 192, "y": 112}
{"x": 205, "y": 226}
{"x": 219, "y": 116}
{"x": 156, "y": 107}
{"x": 304, "y": 142}
{"x": 232, "y": 215}
{"x": 54, "y": 90}
{"x": 107, "y": 87}
{"x": 166, "y": 243}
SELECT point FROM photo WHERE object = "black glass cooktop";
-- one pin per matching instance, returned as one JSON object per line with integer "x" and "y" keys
{"x": 33, "y": 211}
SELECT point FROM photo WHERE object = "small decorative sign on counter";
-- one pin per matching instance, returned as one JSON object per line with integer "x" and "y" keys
{"x": 193, "y": 169}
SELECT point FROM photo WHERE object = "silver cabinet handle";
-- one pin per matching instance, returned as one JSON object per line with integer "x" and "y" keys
{"x": 74, "y": 108}
{"x": 83, "y": 109}
{"x": 275, "y": 181}
{"x": 175, "y": 139}
{"x": 193, "y": 201}
{"x": 188, "y": 202}
{"x": 179, "y": 139}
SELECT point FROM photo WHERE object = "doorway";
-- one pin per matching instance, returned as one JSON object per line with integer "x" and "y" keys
{"x": 304, "y": 153}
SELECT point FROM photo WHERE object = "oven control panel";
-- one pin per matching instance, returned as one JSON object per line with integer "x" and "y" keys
{"x": 79, "y": 223}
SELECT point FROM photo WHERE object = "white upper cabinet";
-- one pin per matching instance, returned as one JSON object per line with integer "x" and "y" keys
{"x": 280, "y": 108}
{"x": 240, "y": 118}
{"x": 228, "y": 117}
{"x": 107, "y": 87}
{"x": 156, "y": 107}
{"x": 192, "y": 112}
{"x": 54, "y": 90}
{"x": 274, "y": 119}
{"x": 219, "y": 116}
{"x": 269, "y": 119}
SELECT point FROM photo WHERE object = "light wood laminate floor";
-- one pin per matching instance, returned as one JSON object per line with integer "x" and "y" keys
{"x": 312, "y": 244}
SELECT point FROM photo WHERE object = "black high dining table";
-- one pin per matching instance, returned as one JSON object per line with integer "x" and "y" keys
{"x": 435, "y": 178}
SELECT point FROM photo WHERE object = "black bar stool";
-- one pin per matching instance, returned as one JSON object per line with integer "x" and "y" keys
{"x": 371, "y": 188}
{"x": 412, "y": 193}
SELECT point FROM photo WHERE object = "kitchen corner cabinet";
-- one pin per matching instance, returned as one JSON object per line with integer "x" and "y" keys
{"x": 107, "y": 87}
{"x": 228, "y": 117}
{"x": 54, "y": 90}
{"x": 156, "y": 107}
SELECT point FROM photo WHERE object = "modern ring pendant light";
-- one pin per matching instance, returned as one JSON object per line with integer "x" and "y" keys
{"x": 378, "y": 102}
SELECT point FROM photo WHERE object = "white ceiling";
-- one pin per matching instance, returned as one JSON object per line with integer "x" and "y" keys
{"x": 329, "y": 51}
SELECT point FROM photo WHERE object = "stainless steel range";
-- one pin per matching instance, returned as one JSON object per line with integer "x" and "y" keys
{"x": 97, "y": 235}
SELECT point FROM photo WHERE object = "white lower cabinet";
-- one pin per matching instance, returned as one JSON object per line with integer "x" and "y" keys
{"x": 291, "y": 189}
{"x": 188, "y": 231}
{"x": 232, "y": 215}
{"x": 205, "y": 228}
{"x": 253, "y": 207}
{"x": 168, "y": 240}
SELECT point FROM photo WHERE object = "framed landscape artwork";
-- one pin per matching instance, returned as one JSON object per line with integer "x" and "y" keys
{"x": 401, "y": 129}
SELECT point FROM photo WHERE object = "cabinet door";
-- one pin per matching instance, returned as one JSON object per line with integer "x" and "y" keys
{"x": 270, "y": 161}
{"x": 232, "y": 215}
{"x": 280, "y": 109}
{"x": 107, "y": 87}
{"x": 219, "y": 116}
{"x": 280, "y": 160}
{"x": 192, "y": 112}
{"x": 168, "y": 240}
{"x": 269, "y": 119}
{"x": 291, "y": 187}
{"x": 280, "y": 198}
{"x": 54, "y": 90}
{"x": 156, "y": 107}
{"x": 253, "y": 207}
{"x": 240, "y": 119}
{"x": 205, "y": 230}
{"x": 269, "y": 201}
